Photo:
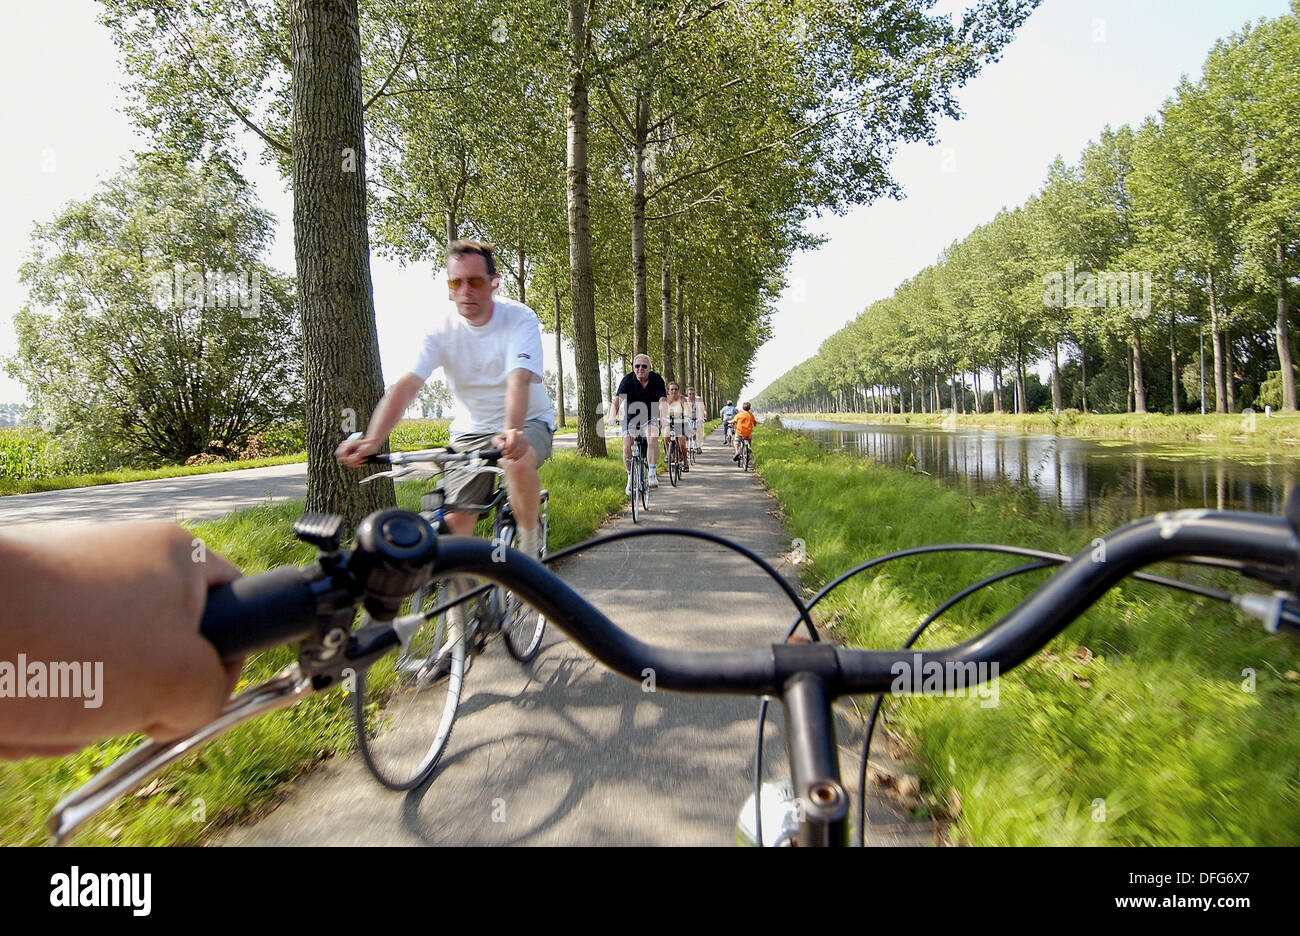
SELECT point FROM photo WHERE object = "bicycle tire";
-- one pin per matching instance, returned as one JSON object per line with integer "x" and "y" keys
{"x": 402, "y": 728}
{"x": 636, "y": 479}
{"x": 524, "y": 627}
{"x": 672, "y": 462}
{"x": 745, "y": 458}
{"x": 645, "y": 489}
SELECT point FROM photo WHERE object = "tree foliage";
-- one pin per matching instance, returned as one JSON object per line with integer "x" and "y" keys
{"x": 153, "y": 330}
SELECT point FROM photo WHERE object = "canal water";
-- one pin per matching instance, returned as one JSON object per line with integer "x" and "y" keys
{"x": 1089, "y": 480}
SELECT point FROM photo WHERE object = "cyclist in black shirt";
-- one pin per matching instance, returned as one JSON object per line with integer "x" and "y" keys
{"x": 644, "y": 399}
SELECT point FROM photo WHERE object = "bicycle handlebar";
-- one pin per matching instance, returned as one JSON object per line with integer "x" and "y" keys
{"x": 846, "y": 671}
{"x": 398, "y": 550}
{"x": 444, "y": 456}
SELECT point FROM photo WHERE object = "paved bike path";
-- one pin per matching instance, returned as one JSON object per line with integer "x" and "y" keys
{"x": 565, "y": 752}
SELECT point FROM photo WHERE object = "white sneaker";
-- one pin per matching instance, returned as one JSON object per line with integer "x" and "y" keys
{"x": 628, "y": 490}
{"x": 653, "y": 480}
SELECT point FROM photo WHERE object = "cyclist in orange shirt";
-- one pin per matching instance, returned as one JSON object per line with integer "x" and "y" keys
{"x": 743, "y": 428}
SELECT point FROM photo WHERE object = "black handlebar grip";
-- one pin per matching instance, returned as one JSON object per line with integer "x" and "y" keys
{"x": 258, "y": 612}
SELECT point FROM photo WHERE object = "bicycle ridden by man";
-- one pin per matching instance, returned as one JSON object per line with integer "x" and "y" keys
{"x": 728, "y": 413}
{"x": 644, "y": 400}
{"x": 744, "y": 426}
{"x": 676, "y": 419}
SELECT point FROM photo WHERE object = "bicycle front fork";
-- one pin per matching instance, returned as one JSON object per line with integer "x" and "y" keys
{"x": 822, "y": 803}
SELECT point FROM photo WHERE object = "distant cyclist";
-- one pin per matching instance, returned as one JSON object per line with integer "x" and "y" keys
{"x": 644, "y": 399}
{"x": 744, "y": 424}
{"x": 695, "y": 416}
{"x": 676, "y": 416}
{"x": 728, "y": 413}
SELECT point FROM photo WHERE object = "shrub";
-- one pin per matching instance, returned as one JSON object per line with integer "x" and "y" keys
{"x": 1270, "y": 391}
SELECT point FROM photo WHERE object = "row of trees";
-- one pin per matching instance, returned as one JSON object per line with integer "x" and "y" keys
{"x": 604, "y": 145}
{"x": 1182, "y": 234}
{"x": 608, "y": 147}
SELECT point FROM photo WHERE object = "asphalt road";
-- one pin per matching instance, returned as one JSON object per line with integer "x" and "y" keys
{"x": 564, "y": 752}
{"x": 192, "y": 497}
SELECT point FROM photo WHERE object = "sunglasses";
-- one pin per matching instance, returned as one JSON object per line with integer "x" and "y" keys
{"x": 640, "y": 367}
{"x": 474, "y": 282}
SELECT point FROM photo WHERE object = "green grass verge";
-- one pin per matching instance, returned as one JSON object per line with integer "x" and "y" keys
{"x": 1234, "y": 431}
{"x": 407, "y": 434}
{"x": 1134, "y": 727}
{"x": 238, "y": 775}
{"x": 31, "y": 486}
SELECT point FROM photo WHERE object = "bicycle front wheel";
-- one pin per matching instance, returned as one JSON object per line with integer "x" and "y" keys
{"x": 636, "y": 485}
{"x": 672, "y": 462}
{"x": 404, "y": 706}
{"x": 524, "y": 625}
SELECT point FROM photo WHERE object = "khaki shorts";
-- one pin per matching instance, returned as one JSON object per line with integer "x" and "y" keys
{"x": 465, "y": 486}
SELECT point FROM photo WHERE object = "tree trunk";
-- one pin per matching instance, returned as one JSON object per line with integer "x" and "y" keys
{"x": 1173, "y": 365}
{"x": 1083, "y": 367}
{"x": 1056, "y": 376}
{"x": 1022, "y": 404}
{"x": 680, "y": 369}
{"x": 979, "y": 404}
{"x": 1128, "y": 377}
{"x": 1229, "y": 372}
{"x": 591, "y": 442}
{"x": 1283, "y": 335}
{"x": 695, "y": 356}
{"x": 559, "y": 362}
{"x": 523, "y": 292}
{"x": 609, "y": 369}
{"x": 666, "y": 288}
{"x": 341, "y": 373}
{"x": 690, "y": 358}
{"x": 1216, "y": 340}
{"x": 640, "y": 327}
{"x": 1139, "y": 385}
{"x": 997, "y": 387}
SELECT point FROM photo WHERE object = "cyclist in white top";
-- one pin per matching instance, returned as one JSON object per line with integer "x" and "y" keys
{"x": 491, "y": 351}
{"x": 676, "y": 412}
{"x": 696, "y": 413}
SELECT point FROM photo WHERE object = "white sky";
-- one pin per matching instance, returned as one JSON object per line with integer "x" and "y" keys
{"x": 1074, "y": 67}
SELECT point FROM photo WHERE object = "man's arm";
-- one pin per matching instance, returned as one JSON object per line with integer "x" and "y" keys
{"x": 390, "y": 409}
{"x": 518, "y": 387}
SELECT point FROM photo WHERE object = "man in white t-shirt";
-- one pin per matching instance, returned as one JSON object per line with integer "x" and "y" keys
{"x": 490, "y": 348}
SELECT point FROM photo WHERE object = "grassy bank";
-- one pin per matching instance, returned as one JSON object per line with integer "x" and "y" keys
{"x": 1235, "y": 431}
{"x": 1136, "y": 726}
{"x": 238, "y": 776}
{"x": 61, "y": 482}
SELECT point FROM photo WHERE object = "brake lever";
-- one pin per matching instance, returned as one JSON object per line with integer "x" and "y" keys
{"x": 128, "y": 772}
{"x": 393, "y": 473}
